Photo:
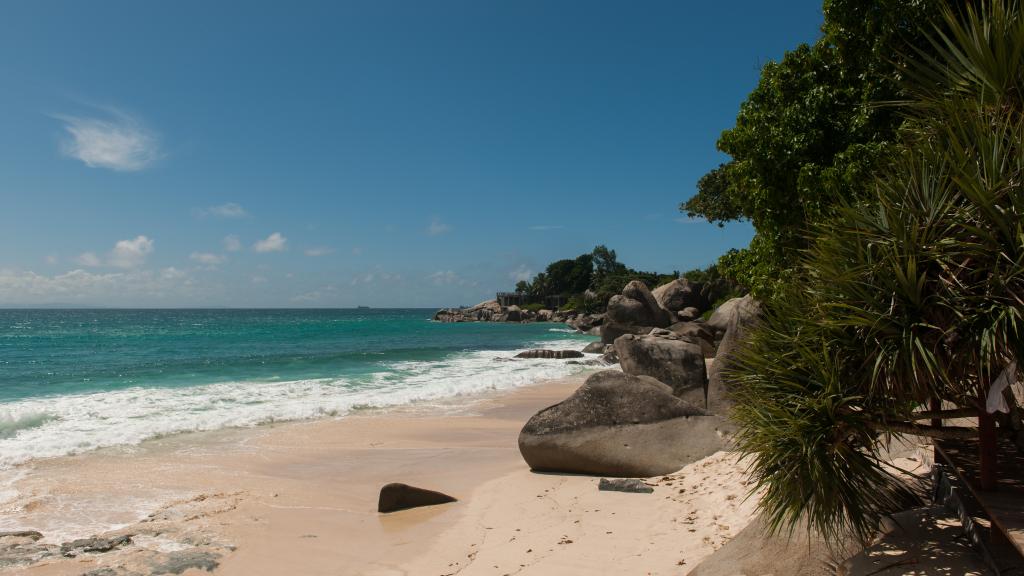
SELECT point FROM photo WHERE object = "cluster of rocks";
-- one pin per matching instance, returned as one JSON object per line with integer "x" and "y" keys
{"x": 665, "y": 408}
{"x": 492, "y": 311}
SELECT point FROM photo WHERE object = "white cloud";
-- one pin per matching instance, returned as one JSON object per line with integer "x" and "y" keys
{"x": 81, "y": 286}
{"x": 51, "y": 259}
{"x": 228, "y": 210}
{"x": 232, "y": 243}
{"x": 273, "y": 243}
{"x": 259, "y": 279}
{"x": 443, "y": 277}
{"x": 206, "y": 258}
{"x": 521, "y": 274}
{"x": 319, "y": 251}
{"x": 88, "y": 259}
{"x": 437, "y": 228}
{"x": 119, "y": 142}
{"x": 130, "y": 253}
{"x": 172, "y": 273}
{"x": 547, "y": 227}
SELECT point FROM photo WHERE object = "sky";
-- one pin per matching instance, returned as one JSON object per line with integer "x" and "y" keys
{"x": 377, "y": 153}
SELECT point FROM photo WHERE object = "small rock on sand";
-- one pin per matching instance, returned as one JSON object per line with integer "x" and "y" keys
{"x": 624, "y": 485}
{"x": 397, "y": 496}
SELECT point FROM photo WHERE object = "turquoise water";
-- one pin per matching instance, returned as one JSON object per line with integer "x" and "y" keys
{"x": 74, "y": 380}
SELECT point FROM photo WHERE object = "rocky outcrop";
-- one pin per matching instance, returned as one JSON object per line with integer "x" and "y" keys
{"x": 622, "y": 425}
{"x": 482, "y": 312}
{"x": 93, "y": 545}
{"x": 680, "y": 294}
{"x": 667, "y": 358}
{"x": 594, "y": 348}
{"x": 586, "y": 322}
{"x": 397, "y": 496}
{"x": 611, "y": 331}
{"x": 739, "y": 318}
{"x": 552, "y": 354}
{"x": 636, "y": 306}
{"x": 745, "y": 309}
{"x": 492, "y": 311}
{"x": 697, "y": 333}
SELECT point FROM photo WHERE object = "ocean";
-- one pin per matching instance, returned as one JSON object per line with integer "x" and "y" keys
{"x": 77, "y": 380}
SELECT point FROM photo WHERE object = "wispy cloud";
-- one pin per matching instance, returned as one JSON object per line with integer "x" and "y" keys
{"x": 449, "y": 278}
{"x": 130, "y": 253}
{"x": 521, "y": 273}
{"x": 206, "y": 258}
{"x": 119, "y": 142}
{"x": 547, "y": 227}
{"x": 357, "y": 251}
{"x": 88, "y": 259}
{"x": 319, "y": 251}
{"x": 89, "y": 287}
{"x": 227, "y": 210}
{"x": 437, "y": 228}
{"x": 273, "y": 243}
{"x": 232, "y": 243}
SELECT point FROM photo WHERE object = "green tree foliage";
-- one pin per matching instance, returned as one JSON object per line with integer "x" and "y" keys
{"x": 912, "y": 294}
{"x": 811, "y": 134}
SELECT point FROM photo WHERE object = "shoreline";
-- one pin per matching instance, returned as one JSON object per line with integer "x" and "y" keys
{"x": 300, "y": 497}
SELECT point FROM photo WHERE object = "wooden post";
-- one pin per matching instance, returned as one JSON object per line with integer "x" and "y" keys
{"x": 988, "y": 451}
{"x": 936, "y": 405}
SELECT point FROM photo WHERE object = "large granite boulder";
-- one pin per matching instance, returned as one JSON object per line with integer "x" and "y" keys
{"x": 636, "y": 306}
{"x": 668, "y": 359}
{"x": 743, "y": 316}
{"x": 619, "y": 425}
{"x": 610, "y": 331}
{"x": 586, "y": 322}
{"x": 596, "y": 347}
{"x": 680, "y": 294}
{"x": 745, "y": 308}
{"x": 697, "y": 333}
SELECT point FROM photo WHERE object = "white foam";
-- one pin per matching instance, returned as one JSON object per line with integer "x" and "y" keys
{"x": 82, "y": 422}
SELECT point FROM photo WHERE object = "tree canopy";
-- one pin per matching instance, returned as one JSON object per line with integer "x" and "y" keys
{"x": 811, "y": 134}
{"x": 911, "y": 294}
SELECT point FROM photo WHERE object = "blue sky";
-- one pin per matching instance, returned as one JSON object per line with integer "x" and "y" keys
{"x": 360, "y": 153}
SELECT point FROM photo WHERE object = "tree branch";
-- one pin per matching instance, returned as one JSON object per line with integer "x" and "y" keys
{"x": 945, "y": 414}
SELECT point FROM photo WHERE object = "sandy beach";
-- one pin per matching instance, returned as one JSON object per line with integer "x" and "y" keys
{"x": 300, "y": 498}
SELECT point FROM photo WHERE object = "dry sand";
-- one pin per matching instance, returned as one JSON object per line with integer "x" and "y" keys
{"x": 300, "y": 498}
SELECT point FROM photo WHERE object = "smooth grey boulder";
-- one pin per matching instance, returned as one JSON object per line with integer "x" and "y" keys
{"x": 741, "y": 320}
{"x": 553, "y": 354}
{"x": 632, "y": 485}
{"x": 610, "y": 331}
{"x": 679, "y": 294}
{"x": 673, "y": 361}
{"x": 398, "y": 496}
{"x": 698, "y": 334}
{"x": 637, "y": 307}
{"x": 619, "y": 425}
{"x": 594, "y": 348}
{"x": 745, "y": 308}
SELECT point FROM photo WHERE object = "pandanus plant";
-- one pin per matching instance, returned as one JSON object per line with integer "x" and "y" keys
{"x": 909, "y": 306}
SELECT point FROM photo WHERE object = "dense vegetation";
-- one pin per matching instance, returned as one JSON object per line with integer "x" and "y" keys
{"x": 811, "y": 134}
{"x": 910, "y": 290}
{"x": 589, "y": 280}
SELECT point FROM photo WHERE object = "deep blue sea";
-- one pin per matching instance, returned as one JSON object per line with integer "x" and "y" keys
{"x": 76, "y": 380}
